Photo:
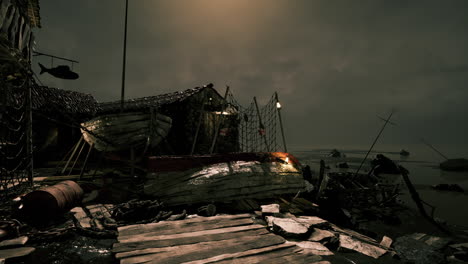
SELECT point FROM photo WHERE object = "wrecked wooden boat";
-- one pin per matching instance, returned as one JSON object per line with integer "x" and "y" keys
{"x": 177, "y": 180}
{"x": 454, "y": 165}
{"x": 114, "y": 132}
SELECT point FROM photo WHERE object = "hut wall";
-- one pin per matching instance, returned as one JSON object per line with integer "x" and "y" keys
{"x": 185, "y": 117}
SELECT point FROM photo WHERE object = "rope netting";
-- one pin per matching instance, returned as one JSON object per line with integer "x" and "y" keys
{"x": 14, "y": 159}
{"x": 258, "y": 130}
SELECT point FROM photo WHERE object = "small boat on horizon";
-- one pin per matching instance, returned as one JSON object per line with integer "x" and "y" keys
{"x": 404, "y": 153}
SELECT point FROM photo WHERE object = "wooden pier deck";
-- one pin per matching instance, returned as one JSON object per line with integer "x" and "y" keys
{"x": 218, "y": 239}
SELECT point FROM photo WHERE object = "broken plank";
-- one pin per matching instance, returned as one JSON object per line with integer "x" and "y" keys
{"x": 320, "y": 234}
{"x": 186, "y": 229}
{"x": 174, "y": 225}
{"x": 15, "y": 252}
{"x": 19, "y": 241}
{"x": 174, "y": 250}
{"x": 295, "y": 258}
{"x": 370, "y": 250}
{"x": 192, "y": 238}
{"x": 218, "y": 248}
{"x": 313, "y": 248}
{"x": 250, "y": 256}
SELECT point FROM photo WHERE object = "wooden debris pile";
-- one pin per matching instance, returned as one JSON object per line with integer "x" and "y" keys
{"x": 317, "y": 236}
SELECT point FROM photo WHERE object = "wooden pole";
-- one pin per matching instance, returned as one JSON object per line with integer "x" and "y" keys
{"x": 86, "y": 160}
{"x": 261, "y": 124}
{"x": 417, "y": 199}
{"x": 132, "y": 162}
{"x": 73, "y": 154}
{"x": 278, "y": 107}
{"x": 373, "y": 143}
{"x": 220, "y": 121}
{"x": 122, "y": 97}
{"x": 200, "y": 116}
{"x": 320, "y": 179}
{"x": 77, "y": 157}
{"x": 29, "y": 133}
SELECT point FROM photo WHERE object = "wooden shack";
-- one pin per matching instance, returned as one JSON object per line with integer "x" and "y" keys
{"x": 197, "y": 115}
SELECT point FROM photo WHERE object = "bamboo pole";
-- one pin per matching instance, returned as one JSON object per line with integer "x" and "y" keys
{"x": 72, "y": 155}
{"x": 220, "y": 121}
{"x": 278, "y": 108}
{"x": 86, "y": 160}
{"x": 77, "y": 157}
{"x": 261, "y": 124}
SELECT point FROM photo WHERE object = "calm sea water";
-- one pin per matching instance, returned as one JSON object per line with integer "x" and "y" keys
{"x": 423, "y": 165}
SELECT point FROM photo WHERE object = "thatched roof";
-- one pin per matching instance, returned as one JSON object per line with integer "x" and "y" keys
{"x": 63, "y": 103}
{"x": 151, "y": 101}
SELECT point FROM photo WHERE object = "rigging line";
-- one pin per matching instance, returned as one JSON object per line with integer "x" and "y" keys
{"x": 421, "y": 139}
{"x": 372, "y": 146}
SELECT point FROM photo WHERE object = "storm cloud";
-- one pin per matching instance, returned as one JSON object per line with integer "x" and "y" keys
{"x": 335, "y": 64}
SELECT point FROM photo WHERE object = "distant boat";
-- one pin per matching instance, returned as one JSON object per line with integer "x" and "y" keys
{"x": 454, "y": 165}
{"x": 114, "y": 132}
{"x": 336, "y": 154}
{"x": 404, "y": 153}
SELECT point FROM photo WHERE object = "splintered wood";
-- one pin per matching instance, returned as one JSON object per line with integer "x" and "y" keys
{"x": 217, "y": 239}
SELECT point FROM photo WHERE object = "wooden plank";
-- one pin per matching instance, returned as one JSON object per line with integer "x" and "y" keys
{"x": 167, "y": 227}
{"x": 250, "y": 256}
{"x": 361, "y": 247}
{"x": 155, "y": 250}
{"x": 185, "y": 253}
{"x": 191, "y": 238}
{"x": 19, "y": 241}
{"x": 15, "y": 252}
{"x": 182, "y": 250}
{"x": 295, "y": 258}
{"x": 186, "y": 229}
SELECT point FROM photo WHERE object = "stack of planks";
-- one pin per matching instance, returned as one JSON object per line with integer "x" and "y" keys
{"x": 224, "y": 182}
{"x": 217, "y": 239}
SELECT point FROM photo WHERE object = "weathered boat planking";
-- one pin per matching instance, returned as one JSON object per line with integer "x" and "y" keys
{"x": 175, "y": 242}
{"x": 233, "y": 177}
{"x": 113, "y": 132}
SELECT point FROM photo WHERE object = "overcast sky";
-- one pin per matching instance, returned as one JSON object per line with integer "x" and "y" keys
{"x": 335, "y": 64}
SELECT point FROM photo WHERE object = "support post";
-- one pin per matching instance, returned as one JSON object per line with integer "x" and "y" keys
{"x": 278, "y": 107}
{"x": 132, "y": 162}
{"x": 72, "y": 155}
{"x": 86, "y": 160}
{"x": 29, "y": 136}
{"x": 122, "y": 96}
{"x": 202, "y": 108}
{"x": 218, "y": 124}
{"x": 261, "y": 126}
{"x": 77, "y": 158}
{"x": 417, "y": 199}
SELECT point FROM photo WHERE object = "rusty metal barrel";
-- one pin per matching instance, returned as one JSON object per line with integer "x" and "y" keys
{"x": 53, "y": 200}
